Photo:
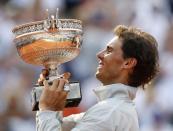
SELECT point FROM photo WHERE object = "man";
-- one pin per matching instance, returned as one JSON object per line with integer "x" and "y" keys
{"x": 130, "y": 60}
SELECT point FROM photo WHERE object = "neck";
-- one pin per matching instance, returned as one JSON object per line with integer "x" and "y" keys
{"x": 122, "y": 79}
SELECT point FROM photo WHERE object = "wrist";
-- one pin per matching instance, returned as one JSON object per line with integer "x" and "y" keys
{"x": 46, "y": 108}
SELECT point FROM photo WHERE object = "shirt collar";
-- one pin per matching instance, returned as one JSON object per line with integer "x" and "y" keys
{"x": 115, "y": 90}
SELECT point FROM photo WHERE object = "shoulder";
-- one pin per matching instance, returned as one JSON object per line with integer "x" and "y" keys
{"x": 113, "y": 113}
{"x": 105, "y": 106}
{"x": 99, "y": 117}
{"x": 103, "y": 112}
{"x": 128, "y": 116}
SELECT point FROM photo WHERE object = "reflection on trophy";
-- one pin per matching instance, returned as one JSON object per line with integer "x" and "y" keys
{"x": 50, "y": 43}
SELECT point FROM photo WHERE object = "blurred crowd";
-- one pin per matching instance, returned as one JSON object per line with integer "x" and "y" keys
{"x": 154, "y": 104}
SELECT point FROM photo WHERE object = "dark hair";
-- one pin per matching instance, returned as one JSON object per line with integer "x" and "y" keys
{"x": 143, "y": 47}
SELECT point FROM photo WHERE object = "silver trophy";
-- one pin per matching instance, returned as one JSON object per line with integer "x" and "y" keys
{"x": 50, "y": 43}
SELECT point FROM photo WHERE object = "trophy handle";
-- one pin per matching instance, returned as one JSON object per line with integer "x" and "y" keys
{"x": 73, "y": 98}
{"x": 50, "y": 73}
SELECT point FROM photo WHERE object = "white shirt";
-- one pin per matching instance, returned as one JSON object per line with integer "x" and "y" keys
{"x": 115, "y": 111}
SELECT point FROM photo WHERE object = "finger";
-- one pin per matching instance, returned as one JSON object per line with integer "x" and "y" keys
{"x": 45, "y": 83}
{"x": 45, "y": 72}
{"x": 62, "y": 82}
{"x": 66, "y": 75}
{"x": 64, "y": 96}
{"x": 40, "y": 82}
{"x": 55, "y": 84}
{"x": 66, "y": 81}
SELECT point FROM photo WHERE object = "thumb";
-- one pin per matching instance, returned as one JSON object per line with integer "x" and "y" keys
{"x": 66, "y": 75}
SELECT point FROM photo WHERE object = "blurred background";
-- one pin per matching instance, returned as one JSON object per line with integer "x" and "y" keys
{"x": 154, "y": 104}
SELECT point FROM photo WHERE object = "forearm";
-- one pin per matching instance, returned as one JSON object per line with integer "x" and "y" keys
{"x": 48, "y": 121}
{"x": 54, "y": 121}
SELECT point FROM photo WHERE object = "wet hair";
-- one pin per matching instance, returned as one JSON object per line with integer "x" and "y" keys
{"x": 143, "y": 47}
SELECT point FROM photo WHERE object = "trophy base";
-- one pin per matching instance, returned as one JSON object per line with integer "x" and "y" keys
{"x": 73, "y": 99}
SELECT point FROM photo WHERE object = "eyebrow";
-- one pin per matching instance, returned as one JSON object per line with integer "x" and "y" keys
{"x": 113, "y": 39}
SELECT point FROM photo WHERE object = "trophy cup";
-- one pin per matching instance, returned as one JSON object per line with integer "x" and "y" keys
{"x": 49, "y": 43}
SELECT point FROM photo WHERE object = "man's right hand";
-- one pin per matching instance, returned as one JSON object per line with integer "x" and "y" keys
{"x": 53, "y": 96}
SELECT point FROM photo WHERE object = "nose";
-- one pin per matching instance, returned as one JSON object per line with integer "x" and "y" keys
{"x": 100, "y": 55}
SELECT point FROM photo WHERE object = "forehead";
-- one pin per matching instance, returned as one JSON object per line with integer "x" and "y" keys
{"x": 114, "y": 42}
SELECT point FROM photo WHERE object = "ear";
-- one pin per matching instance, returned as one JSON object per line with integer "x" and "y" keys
{"x": 129, "y": 63}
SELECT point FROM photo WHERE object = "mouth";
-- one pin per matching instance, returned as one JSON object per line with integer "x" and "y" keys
{"x": 100, "y": 65}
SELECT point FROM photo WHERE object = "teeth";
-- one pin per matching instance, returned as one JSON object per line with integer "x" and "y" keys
{"x": 100, "y": 64}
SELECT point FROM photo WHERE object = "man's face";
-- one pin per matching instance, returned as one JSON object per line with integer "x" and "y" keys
{"x": 111, "y": 62}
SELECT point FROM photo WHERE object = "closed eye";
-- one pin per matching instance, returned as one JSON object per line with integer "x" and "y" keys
{"x": 109, "y": 49}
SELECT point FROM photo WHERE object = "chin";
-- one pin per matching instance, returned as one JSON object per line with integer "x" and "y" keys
{"x": 101, "y": 78}
{"x": 98, "y": 75}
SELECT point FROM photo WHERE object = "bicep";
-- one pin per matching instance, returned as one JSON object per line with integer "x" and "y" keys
{"x": 53, "y": 121}
{"x": 95, "y": 123}
{"x": 102, "y": 121}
